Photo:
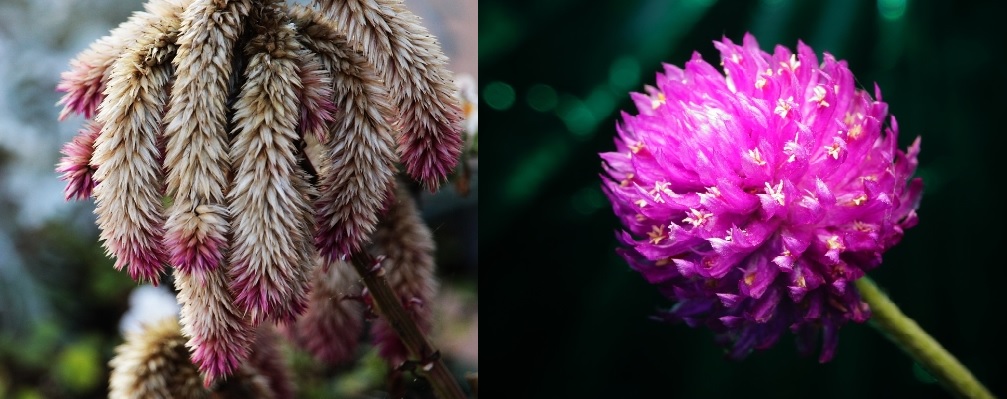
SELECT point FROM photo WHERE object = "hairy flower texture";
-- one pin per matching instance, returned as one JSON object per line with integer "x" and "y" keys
{"x": 405, "y": 241}
{"x": 84, "y": 83}
{"x": 219, "y": 333}
{"x": 270, "y": 200}
{"x": 315, "y": 96}
{"x": 75, "y": 165}
{"x": 414, "y": 69}
{"x": 270, "y": 136}
{"x": 354, "y": 184}
{"x": 754, "y": 198}
{"x": 154, "y": 363}
{"x": 330, "y": 328}
{"x": 128, "y": 186}
{"x": 196, "y": 132}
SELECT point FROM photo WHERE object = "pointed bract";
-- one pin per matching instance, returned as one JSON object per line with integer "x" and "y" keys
{"x": 129, "y": 179}
{"x": 84, "y": 83}
{"x": 315, "y": 95}
{"x": 154, "y": 363}
{"x": 414, "y": 69}
{"x": 270, "y": 200}
{"x": 75, "y": 165}
{"x": 354, "y": 184}
{"x": 219, "y": 335}
{"x": 196, "y": 131}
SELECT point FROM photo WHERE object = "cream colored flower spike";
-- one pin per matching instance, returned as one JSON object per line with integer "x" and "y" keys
{"x": 85, "y": 82}
{"x": 219, "y": 333}
{"x": 415, "y": 71}
{"x": 154, "y": 363}
{"x": 242, "y": 141}
{"x": 315, "y": 96}
{"x": 270, "y": 199}
{"x": 354, "y": 184}
{"x": 197, "y": 135}
{"x": 128, "y": 186}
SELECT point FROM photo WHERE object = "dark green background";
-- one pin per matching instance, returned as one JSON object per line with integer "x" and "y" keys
{"x": 573, "y": 317}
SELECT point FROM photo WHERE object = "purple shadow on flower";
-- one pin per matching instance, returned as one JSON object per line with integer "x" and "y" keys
{"x": 754, "y": 198}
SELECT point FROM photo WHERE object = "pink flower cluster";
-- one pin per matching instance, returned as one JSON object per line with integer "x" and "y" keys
{"x": 754, "y": 197}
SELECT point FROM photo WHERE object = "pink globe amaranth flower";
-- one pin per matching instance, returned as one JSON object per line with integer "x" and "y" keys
{"x": 753, "y": 198}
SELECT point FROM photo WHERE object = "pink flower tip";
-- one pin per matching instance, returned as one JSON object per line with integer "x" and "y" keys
{"x": 190, "y": 255}
{"x": 75, "y": 168}
{"x": 83, "y": 93}
{"x": 431, "y": 159}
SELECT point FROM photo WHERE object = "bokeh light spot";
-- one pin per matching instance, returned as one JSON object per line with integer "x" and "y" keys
{"x": 624, "y": 73}
{"x": 601, "y": 101}
{"x": 576, "y": 115}
{"x": 892, "y": 9}
{"x": 499, "y": 95}
{"x": 542, "y": 98}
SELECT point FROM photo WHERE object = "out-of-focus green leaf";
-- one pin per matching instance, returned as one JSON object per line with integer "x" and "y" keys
{"x": 79, "y": 365}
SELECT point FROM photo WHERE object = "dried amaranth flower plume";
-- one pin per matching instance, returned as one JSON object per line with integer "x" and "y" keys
{"x": 244, "y": 142}
{"x": 154, "y": 363}
{"x": 408, "y": 246}
{"x": 331, "y": 327}
{"x": 753, "y": 198}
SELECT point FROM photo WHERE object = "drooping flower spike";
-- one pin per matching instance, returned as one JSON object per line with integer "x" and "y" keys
{"x": 410, "y": 61}
{"x": 130, "y": 183}
{"x": 753, "y": 198}
{"x": 154, "y": 363}
{"x": 407, "y": 246}
{"x": 240, "y": 140}
{"x": 333, "y": 323}
{"x": 358, "y": 175}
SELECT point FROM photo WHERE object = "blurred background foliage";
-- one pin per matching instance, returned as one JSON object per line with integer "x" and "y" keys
{"x": 60, "y": 298}
{"x": 555, "y": 75}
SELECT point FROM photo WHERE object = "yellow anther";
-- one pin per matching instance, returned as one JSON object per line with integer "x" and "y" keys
{"x": 625, "y": 182}
{"x": 834, "y": 244}
{"x": 834, "y": 150}
{"x": 656, "y": 234}
{"x": 819, "y": 96}
{"x": 756, "y": 157}
{"x": 783, "y": 107}
{"x": 855, "y": 132}
{"x": 636, "y": 147}
{"x": 776, "y": 192}
{"x": 697, "y": 217}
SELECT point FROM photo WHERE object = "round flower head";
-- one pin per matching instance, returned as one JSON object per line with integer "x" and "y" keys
{"x": 753, "y": 198}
